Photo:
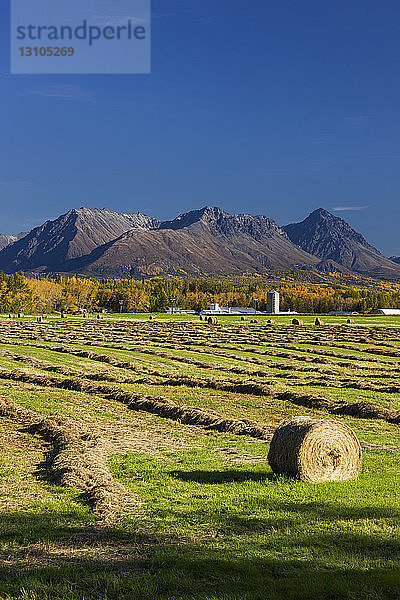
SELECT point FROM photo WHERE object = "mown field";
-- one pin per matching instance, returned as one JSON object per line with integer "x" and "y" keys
{"x": 133, "y": 459}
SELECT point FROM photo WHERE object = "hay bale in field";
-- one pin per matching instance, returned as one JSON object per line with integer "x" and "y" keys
{"x": 270, "y": 321}
{"x": 212, "y": 320}
{"x": 350, "y": 321}
{"x": 315, "y": 450}
{"x": 297, "y": 322}
{"x": 201, "y": 318}
{"x": 242, "y": 318}
{"x": 319, "y": 321}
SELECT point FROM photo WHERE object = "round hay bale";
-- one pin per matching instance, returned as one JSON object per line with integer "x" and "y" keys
{"x": 201, "y": 318}
{"x": 242, "y": 318}
{"x": 315, "y": 450}
{"x": 270, "y": 321}
{"x": 297, "y": 322}
{"x": 319, "y": 321}
{"x": 350, "y": 322}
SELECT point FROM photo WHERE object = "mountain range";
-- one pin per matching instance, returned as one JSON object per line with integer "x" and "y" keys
{"x": 102, "y": 243}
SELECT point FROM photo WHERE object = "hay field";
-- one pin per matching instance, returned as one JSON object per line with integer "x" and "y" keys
{"x": 133, "y": 459}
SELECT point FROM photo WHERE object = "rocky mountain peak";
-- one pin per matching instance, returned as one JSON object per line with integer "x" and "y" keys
{"x": 332, "y": 239}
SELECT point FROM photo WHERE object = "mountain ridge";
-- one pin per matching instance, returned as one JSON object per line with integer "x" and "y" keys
{"x": 207, "y": 241}
{"x": 73, "y": 234}
{"x": 330, "y": 238}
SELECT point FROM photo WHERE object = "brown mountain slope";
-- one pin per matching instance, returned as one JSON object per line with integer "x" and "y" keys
{"x": 77, "y": 233}
{"x": 331, "y": 238}
{"x": 207, "y": 241}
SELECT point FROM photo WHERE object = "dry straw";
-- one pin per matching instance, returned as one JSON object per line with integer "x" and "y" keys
{"x": 315, "y": 450}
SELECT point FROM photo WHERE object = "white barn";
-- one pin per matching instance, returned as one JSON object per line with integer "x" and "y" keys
{"x": 387, "y": 311}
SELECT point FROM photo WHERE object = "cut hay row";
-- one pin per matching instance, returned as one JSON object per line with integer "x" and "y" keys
{"x": 104, "y": 358}
{"x": 276, "y": 350}
{"x": 44, "y": 365}
{"x": 160, "y": 406}
{"x": 76, "y": 460}
{"x": 239, "y": 387}
{"x": 371, "y": 350}
{"x": 224, "y": 354}
{"x": 363, "y": 409}
{"x": 165, "y": 408}
{"x": 319, "y": 352}
{"x": 279, "y": 366}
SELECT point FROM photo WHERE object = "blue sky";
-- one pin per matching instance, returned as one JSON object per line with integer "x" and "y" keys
{"x": 263, "y": 106}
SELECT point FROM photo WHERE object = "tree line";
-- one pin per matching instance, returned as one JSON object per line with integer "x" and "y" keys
{"x": 19, "y": 293}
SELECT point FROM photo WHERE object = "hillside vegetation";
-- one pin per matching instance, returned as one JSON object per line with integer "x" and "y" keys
{"x": 305, "y": 292}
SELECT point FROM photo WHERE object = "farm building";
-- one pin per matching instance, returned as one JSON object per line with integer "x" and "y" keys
{"x": 216, "y": 309}
{"x": 342, "y": 312}
{"x": 387, "y": 311}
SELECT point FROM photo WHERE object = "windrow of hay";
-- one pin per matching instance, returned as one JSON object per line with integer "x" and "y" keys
{"x": 76, "y": 459}
{"x": 239, "y": 387}
{"x": 192, "y": 415}
{"x": 160, "y": 406}
{"x": 233, "y": 386}
{"x": 237, "y": 370}
{"x": 362, "y": 410}
{"x": 44, "y": 365}
{"x": 315, "y": 450}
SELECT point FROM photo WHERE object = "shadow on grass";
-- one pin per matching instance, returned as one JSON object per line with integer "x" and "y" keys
{"x": 57, "y": 557}
{"x": 215, "y": 477}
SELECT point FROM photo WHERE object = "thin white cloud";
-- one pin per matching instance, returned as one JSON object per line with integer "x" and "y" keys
{"x": 340, "y": 208}
{"x": 355, "y": 119}
{"x": 63, "y": 92}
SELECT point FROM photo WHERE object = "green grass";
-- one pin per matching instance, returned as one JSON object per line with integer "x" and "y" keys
{"x": 212, "y": 530}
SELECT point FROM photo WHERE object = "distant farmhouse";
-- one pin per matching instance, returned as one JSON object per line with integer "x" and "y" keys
{"x": 386, "y": 311}
{"x": 272, "y": 308}
{"x": 216, "y": 309}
